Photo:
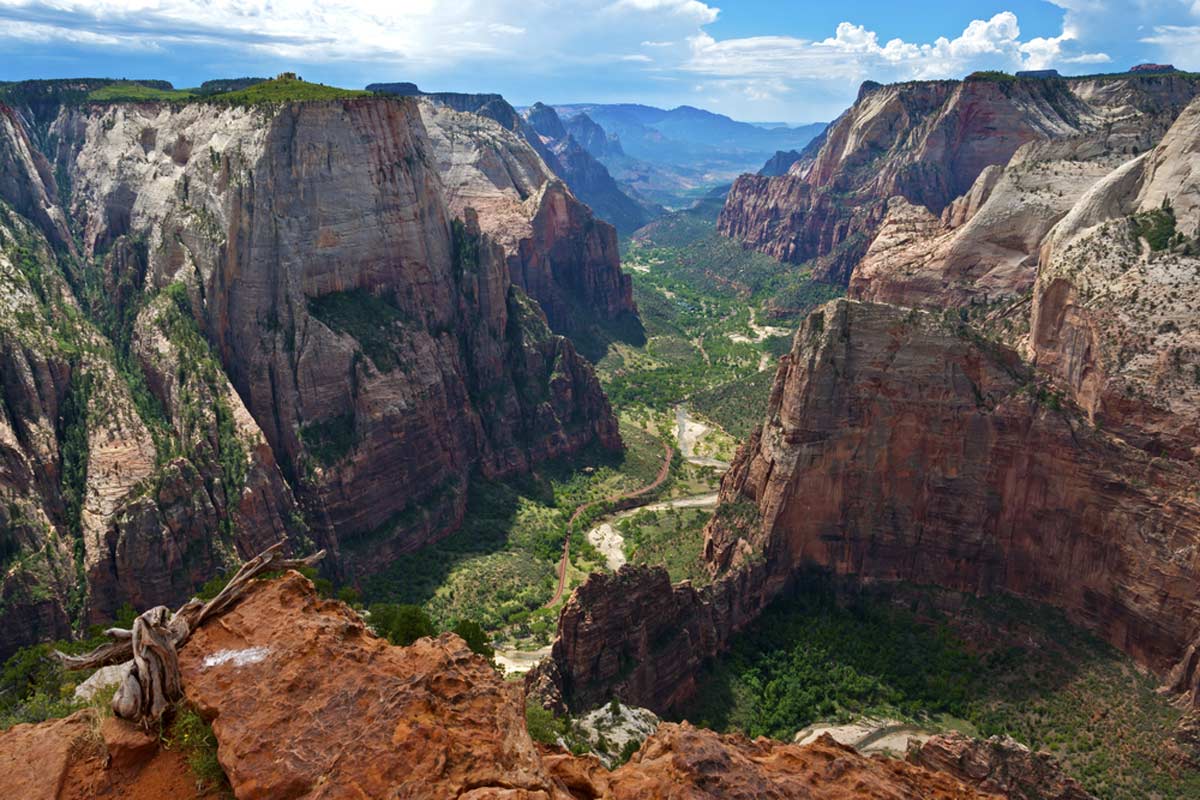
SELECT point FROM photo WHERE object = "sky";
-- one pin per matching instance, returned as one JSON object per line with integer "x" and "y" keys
{"x": 757, "y": 60}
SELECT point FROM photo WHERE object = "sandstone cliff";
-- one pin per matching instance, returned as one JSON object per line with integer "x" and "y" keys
{"x": 566, "y": 158}
{"x": 272, "y": 308}
{"x": 929, "y": 142}
{"x": 556, "y": 250}
{"x": 1113, "y": 317}
{"x": 899, "y": 447}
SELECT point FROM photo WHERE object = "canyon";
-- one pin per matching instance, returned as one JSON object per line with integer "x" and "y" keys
{"x": 225, "y": 325}
{"x": 333, "y": 321}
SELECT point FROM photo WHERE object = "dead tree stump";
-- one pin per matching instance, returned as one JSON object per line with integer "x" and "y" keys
{"x": 152, "y": 644}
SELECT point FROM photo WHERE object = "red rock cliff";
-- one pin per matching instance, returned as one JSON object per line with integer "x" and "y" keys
{"x": 899, "y": 448}
{"x": 927, "y": 142}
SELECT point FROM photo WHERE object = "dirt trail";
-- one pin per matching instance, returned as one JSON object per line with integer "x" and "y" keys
{"x": 566, "y": 556}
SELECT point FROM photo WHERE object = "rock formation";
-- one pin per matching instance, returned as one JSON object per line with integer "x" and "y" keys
{"x": 987, "y": 243}
{"x": 305, "y": 702}
{"x": 270, "y": 309}
{"x": 587, "y": 178}
{"x": 607, "y": 645}
{"x": 900, "y": 447}
{"x": 1113, "y": 315}
{"x": 929, "y": 143}
{"x": 999, "y": 765}
{"x": 555, "y": 249}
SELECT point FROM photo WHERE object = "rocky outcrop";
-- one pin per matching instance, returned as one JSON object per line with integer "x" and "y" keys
{"x": 305, "y": 702}
{"x": 608, "y": 646}
{"x": 1113, "y": 321}
{"x": 556, "y": 250}
{"x": 998, "y": 765}
{"x": 929, "y": 142}
{"x": 83, "y": 758}
{"x": 984, "y": 247}
{"x": 682, "y": 761}
{"x": 104, "y": 503}
{"x": 899, "y": 448}
{"x": 587, "y": 178}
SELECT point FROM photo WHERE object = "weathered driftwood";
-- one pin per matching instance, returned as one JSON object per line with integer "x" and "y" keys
{"x": 153, "y": 643}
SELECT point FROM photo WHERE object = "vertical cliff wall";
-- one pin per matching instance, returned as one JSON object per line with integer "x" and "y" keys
{"x": 928, "y": 143}
{"x": 899, "y": 447}
{"x": 274, "y": 326}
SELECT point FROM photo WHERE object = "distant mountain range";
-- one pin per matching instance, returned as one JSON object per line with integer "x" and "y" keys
{"x": 672, "y": 156}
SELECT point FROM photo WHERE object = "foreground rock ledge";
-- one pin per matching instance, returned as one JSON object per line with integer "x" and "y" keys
{"x": 306, "y": 703}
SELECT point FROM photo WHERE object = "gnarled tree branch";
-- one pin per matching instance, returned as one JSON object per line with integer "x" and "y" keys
{"x": 153, "y": 643}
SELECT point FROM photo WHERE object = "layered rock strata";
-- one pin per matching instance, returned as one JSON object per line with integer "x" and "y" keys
{"x": 929, "y": 143}
{"x": 900, "y": 447}
{"x": 273, "y": 326}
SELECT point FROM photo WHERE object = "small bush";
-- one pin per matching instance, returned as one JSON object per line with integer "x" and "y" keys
{"x": 194, "y": 738}
{"x": 401, "y": 624}
{"x": 473, "y": 634}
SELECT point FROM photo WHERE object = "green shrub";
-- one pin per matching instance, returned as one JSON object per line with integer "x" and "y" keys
{"x": 284, "y": 89}
{"x": 372, "y": 320}
{"x": 473, "y": 634}
{"x": 542, "y": 725}
{"x": 330, "y": 440}
{"x": 1157, "y": 227}
{"x": 194, "y": 738}
{"x": 401, "y": 624}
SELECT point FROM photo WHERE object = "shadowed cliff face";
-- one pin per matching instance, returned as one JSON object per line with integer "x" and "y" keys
{"x": 898, "y": 447}
{"x": 928, "y": 143}
{"x": 271, "y": 306}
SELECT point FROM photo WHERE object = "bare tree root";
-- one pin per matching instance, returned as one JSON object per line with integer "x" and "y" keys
{"x": 153, "y": 683}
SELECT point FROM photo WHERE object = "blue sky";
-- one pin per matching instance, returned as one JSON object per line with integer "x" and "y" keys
{"x": 751, "y": 59}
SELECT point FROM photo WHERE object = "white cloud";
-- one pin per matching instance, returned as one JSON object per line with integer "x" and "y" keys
{"x": 855, "y": 51}
{"x": 701, "y": 13}
{"x": 665, "y": 50}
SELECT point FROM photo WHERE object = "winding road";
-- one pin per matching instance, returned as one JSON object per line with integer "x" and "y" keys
{"x": 663, "y": 471}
